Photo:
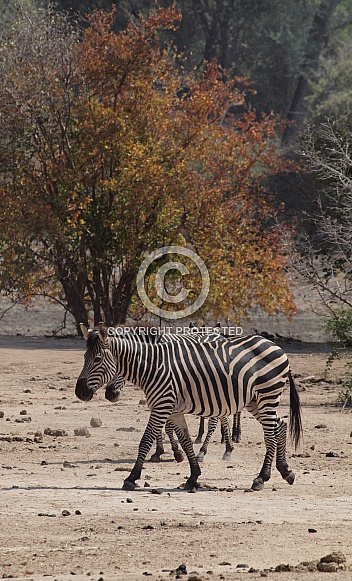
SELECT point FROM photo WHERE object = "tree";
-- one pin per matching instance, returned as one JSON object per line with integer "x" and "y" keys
{"x": 107, "y": 153}
{"x": 324, "y": 257}
{"x": 316, "y": 41}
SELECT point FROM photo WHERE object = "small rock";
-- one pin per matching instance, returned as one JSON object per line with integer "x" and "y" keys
{"x": 23, "y": 413}
{"x": 146, "y": 485}
{"x": 148, "y": 528}
{"x": 320, "y": 426}
{"x": 242, "y": 566}
{"x": 96, "y": 423}
{"x": 327, "y": 567}
{"x": 43, "y": 463}
{"x": 310, "y": 566}
{"x": 65, "y": 513}
{"x": 181, "y": 570}
{"x": 283, "y": 568}
{"x": 129, "y": 500}
{"x": 55, "y": 433}
{"x": 142, "y": 402}
{"x": 78, "y": 512}
{"x": 81, "y": 432}
{"x": 68, "y": 465}
{"x": 2, "y": 414}
{"x": 155, "y": 491}
{"x": 312, "y": 530}
{"x": 336, "y": 557}
{"x": 225, "y": 563}
{"x": 332, "y": 455}
{"x": 38, "y": 434}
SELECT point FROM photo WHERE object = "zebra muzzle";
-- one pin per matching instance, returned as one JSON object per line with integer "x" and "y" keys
{"x": 82, "y": 390}
{"x": 111, "y": 393}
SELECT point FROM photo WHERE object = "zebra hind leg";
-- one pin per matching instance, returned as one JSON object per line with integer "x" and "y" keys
{"x": 281, "y": 462}
{"x": 265, "y": 473}
{"x": 200, "y": 434}
{"x": 212, "y": 423}
{"x": 178, "y": 454}
{"x": 236, "y": 428}
{"x": 268, "y": 422}
{"x": 178, "y": 423}
{"x": 225, "y": 428}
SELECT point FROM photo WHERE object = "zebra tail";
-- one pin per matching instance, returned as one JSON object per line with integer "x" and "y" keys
{"x": 296, "y": 430}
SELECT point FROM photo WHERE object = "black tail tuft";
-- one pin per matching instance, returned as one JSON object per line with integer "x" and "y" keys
{"x": 296, "y": 430}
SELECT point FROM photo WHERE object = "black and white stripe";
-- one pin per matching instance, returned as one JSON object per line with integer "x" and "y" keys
{"x": 212, "y": 376}
{"x": 113, "y": 392}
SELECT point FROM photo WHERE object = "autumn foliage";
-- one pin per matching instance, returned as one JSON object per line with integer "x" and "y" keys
{"x": 109, "y": 150}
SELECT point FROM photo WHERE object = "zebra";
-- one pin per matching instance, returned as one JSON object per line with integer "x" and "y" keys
{"x": 209, "y": 376}
{"x": 112, "y": 393}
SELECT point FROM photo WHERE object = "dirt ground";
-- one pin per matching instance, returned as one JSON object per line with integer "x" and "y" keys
{"x": 64, "y": 514}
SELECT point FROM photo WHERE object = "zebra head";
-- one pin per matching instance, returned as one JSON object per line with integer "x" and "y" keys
{"x": 99, "y": 365}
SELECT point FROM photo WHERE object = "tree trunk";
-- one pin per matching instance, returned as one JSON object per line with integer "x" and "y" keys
{"x": 122, "y": 295}
{"x": 316, "y": 41}
{"x": 75, "y": 303}
{"x": 72, "y": 277}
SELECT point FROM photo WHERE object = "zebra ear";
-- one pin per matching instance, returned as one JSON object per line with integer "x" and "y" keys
{"x": 102, "y": 331}
{"x": 84, "y": 330}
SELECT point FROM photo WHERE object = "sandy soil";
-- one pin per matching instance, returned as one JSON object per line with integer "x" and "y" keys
{"x": 63, "y": 512}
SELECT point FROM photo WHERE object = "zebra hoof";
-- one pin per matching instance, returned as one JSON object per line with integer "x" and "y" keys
{"x": 191, "y": 485}
{"x": 198, "y": 441}
{"x": 179, "y": 457}
{"x": 290, "y": 478}
{"x": 200, "y": 457}
{"x": 258, "y": 484}
{"x": 155, "y": 458}
{"x": 227, "y": 456}
{"x": 128, "y": 485}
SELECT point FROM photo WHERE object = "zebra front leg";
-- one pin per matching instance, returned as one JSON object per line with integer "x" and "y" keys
{"x": 156, "y": 457}
{"x": 178, "y": 423}
{"x": 225, "y": 428}
{"x": 281, "y": 462}
{"x": 212, "y": 423}
{"x": 157, "y": 420}
{"x": 178, "y": 455}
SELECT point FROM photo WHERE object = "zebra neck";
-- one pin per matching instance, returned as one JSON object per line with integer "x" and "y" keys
{"x": 137, "y": 361}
